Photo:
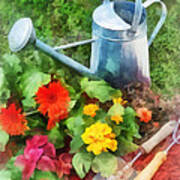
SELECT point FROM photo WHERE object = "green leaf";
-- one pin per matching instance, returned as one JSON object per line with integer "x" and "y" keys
{"x": 5, "y": 175}
{"x": 56, "y": 137}
{"x": 16, "y": 172}
{"x": 40, "y": 175}
{"x": 28, "y": 102}
{"x": 11, "y": 64}
{"x": 129, "y": 125}
{"x": 4, "y": 138}
{"x": 12, "y": 69}
{"x": 75, "y": 125}
{"x": 4, "y": 90}
{"x": 125, "y": 146}
{"x": 116, "y": 109}
{"x": 82, "y": 163}
{"x": 105, "y": 163}
{"x": 32, "y": 80}
{"x": 99, "y": 89}
{"x": 76, "y": 143}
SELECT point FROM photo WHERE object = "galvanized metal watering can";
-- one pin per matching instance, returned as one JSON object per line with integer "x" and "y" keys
{"x": 119, "y": 52}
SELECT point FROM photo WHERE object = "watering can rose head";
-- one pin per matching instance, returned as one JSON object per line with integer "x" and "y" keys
{"x": 119, "y": 42}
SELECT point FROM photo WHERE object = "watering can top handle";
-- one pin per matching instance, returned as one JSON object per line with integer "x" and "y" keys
{"x": 148, "y": 3}
{"x": 137, "y": 14}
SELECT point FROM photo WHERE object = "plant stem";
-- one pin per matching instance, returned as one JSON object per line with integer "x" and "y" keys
{"x": 31, "y": 113}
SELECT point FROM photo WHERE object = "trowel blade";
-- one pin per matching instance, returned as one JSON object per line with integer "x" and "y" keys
{"x": 130, "y": 174}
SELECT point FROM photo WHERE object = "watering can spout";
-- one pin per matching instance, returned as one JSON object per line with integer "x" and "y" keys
{"x": 23, "y": 33}
{"x": 63, "y": 58}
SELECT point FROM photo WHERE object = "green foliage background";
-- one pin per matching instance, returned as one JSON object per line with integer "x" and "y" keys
{"x": 62, "y": 21}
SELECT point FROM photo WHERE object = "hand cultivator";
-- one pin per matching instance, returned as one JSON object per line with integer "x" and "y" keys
{"x": 159, "y": 158}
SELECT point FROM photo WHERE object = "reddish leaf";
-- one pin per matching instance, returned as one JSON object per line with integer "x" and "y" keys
{"x": 46, "y": 164}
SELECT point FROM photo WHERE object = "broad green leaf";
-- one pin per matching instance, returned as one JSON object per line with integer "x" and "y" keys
{"x": 41, "y": 175}
{"x": 82, "y": 163}
{"x": 76, "y": 143}
{"x": 2, "y": 77}
{"x": 28, "y": 102}
{"x": 75, "y": 125}
{"x": 105, "y": 163}
{"x": 5, "y": 175}
{"x": 16, "y": 173}
{"x": 4, "y": 138}
{"x": 99, "y": 89}
{"x": 116, "y": 129}
{"x": 70, "y": 123}
{"x": 4, "y": 90}
{"x": 56, "y": 137}
{"x": 116, "y": 109}
{"x": 125, "y": 146}
{"x": 31, "y": 81}
{"x": 72, "y": 104}
{"x": 11, "y": 63}
{"x": 129, "y": 125}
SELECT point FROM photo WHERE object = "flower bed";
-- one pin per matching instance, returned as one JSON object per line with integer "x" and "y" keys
{"x": 74, "y": 134}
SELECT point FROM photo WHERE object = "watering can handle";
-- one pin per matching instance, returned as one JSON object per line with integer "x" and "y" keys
{"x": 137, "y": 16}
{"x": 161, "y": 21}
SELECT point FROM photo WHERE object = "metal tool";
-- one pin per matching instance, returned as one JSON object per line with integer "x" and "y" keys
{"x": 159, "y": 158}
{"x": 119, "y": 42}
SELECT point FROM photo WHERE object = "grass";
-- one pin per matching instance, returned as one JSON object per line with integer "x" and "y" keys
{"x": 62, "y": 21}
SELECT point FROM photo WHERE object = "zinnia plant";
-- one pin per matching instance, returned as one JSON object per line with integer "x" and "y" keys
{"x": 90, "y": 110}
{"x": 13, "y": 121}
{"x": 144, "y": 114}
{"x": 94, "y": 129}
{"x": 99, "y": 138}
{"x": 54, "y": 101}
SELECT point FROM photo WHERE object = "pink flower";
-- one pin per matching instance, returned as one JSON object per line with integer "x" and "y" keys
{"x": 49, "y": 150}
{"x": 46, "y": 164}
{"x": 28, "y": 162}
{"x": 37, "y": 141}
{"x": 39, "y": 153}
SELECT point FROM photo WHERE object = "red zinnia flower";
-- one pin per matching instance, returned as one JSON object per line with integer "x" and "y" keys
{"x": 144, "y": 114}
{"x": 54, "y": 101}
{"x": 12, "y": 121}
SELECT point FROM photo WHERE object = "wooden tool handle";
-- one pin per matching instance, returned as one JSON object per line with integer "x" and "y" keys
{"x": 165, "y": 131}
{"x": 153, "y": 166}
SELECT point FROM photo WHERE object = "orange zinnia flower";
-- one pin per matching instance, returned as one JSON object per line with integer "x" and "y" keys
{"x": 144, "y": 114}
{"x": 12, "y": 121}
{"x": 90, "y": 110}
{"x": 54, "y": 101}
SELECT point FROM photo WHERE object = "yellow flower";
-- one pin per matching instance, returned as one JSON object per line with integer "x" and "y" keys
{"x": 90, "y": 110}
{"x": 119, "y": 101}
{"x": 99, "y": 138}
{"x": 117, "y": 118}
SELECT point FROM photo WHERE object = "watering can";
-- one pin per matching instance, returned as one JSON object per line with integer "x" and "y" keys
{"x": 119, "y": 45}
